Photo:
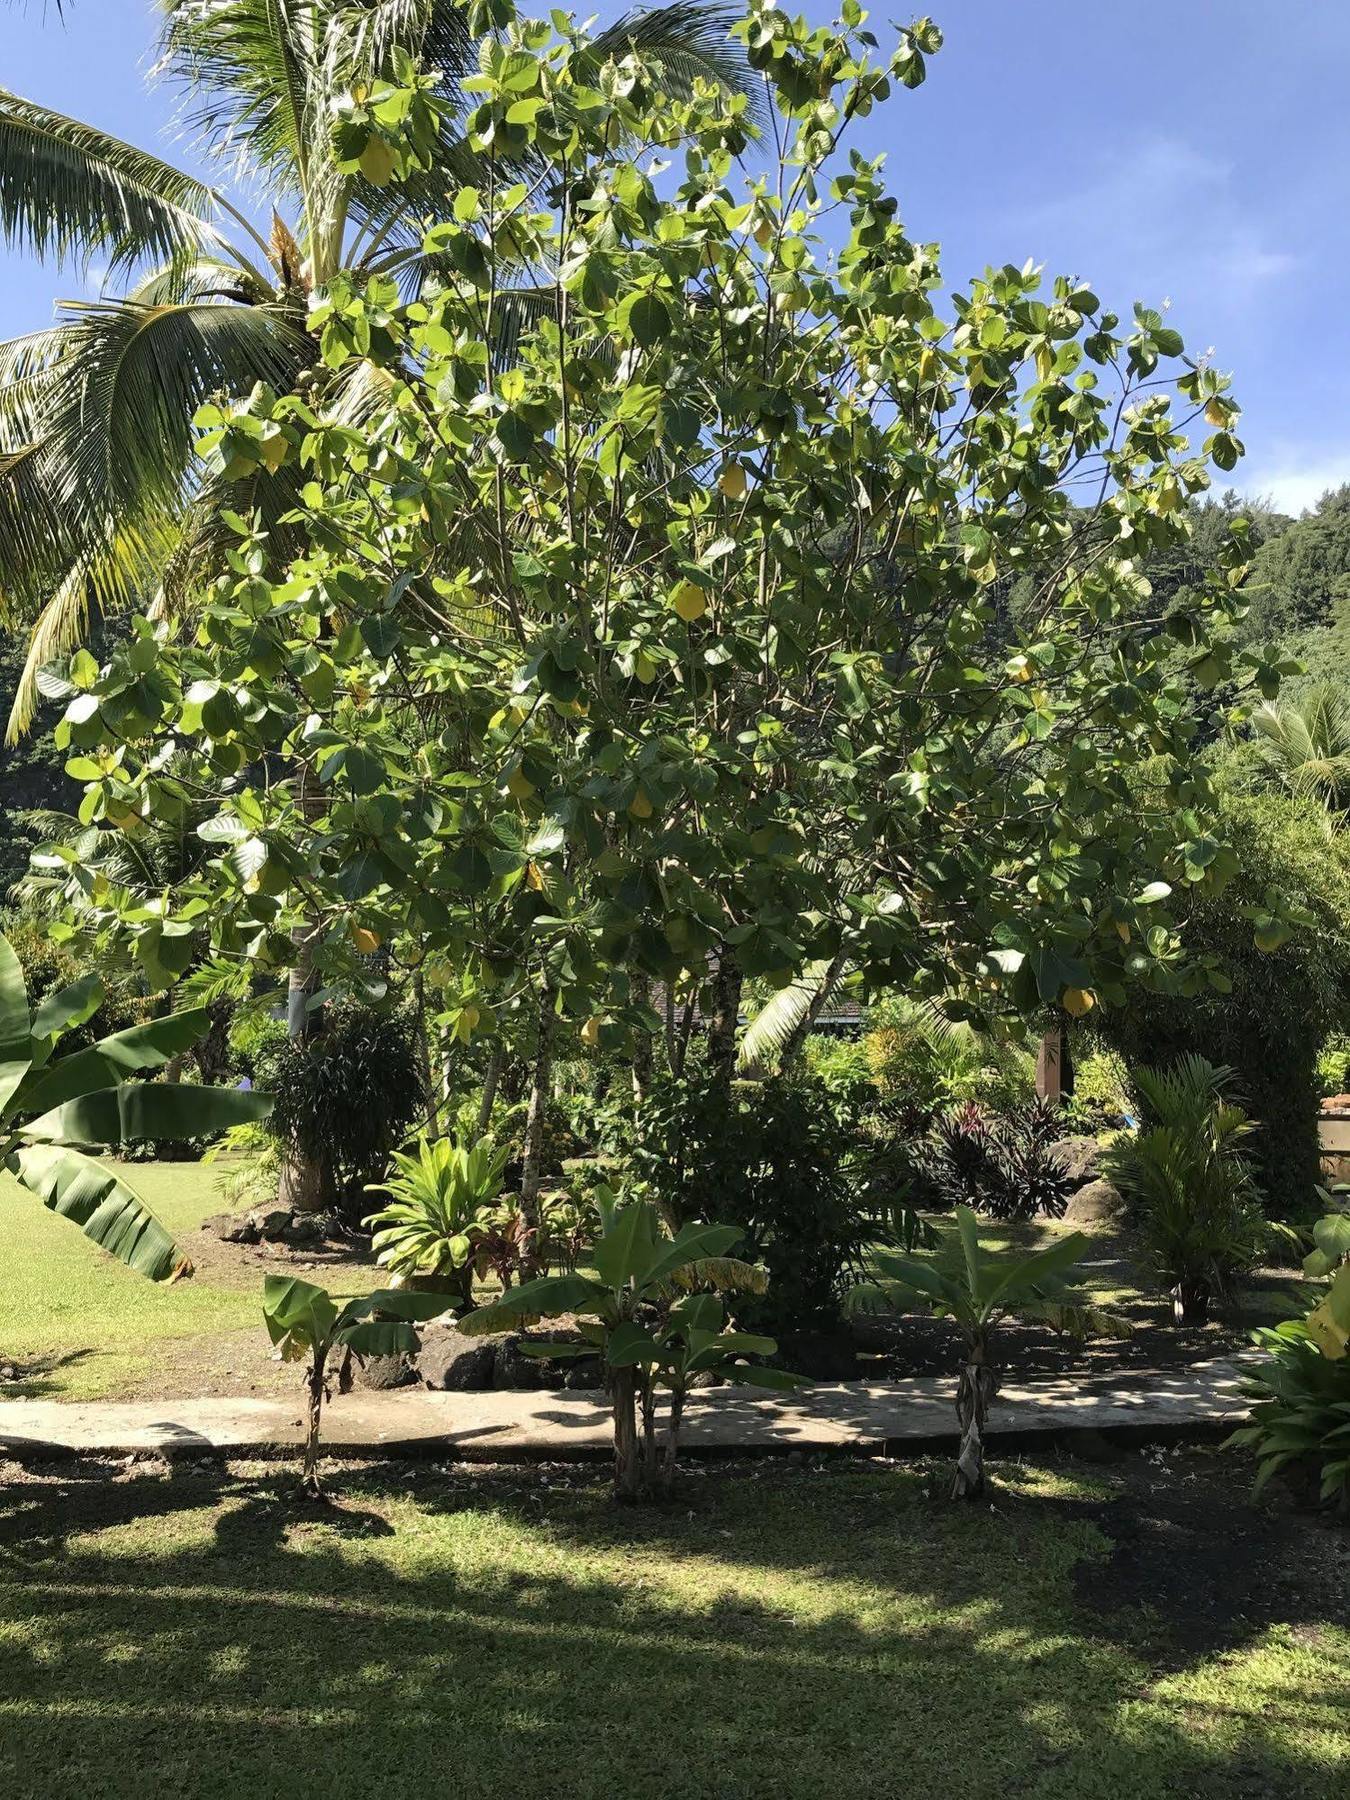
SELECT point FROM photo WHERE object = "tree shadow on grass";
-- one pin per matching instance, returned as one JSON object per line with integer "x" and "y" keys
{"x": 31, "y": 1379}
{"x": 201, "y": 1634}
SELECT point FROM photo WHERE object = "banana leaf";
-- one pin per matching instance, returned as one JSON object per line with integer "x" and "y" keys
{"x": 100, "y": 1203}
{"x": 138, "y": 1109}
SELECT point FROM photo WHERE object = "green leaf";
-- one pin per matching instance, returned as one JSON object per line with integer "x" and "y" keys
{"x": 113, "y": 1058}
{"x": 104, "y": 1207}
{"x": 16, "y": 1045}
{"x": 691, "y": 1244}
{"x": 69, "y": 1006}
{"x": 626, "y": 1251}
{"x": 298, "y": 1315}
{"x": 137, "y": 1109}
{"x": 550, "y": 1294}
{"x": 646, "y": 317}
{"x": 781, "y": 1381}
{"x": 629, "y": 1344}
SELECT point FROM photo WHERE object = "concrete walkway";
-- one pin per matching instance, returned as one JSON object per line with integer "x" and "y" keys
{"x": 890, "y": 1419}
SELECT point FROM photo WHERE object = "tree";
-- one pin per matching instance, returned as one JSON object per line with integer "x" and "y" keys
{"x": 1276, "y": 986}
{"x": 101, "y": 500}
{"x": 660, "y": 717}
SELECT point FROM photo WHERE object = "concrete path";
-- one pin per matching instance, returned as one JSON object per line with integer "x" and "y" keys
{"x": 868, "y": 1420}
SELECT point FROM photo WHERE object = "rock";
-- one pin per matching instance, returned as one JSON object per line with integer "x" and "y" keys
{"x": 1079, "y": 1157}
{"x": 232, "y": 1228}
{"x": 271, "y": 1221}
{"x": 519, "y": 1373}
{"x": 304, "y": 1230}
{"x": 585, "y": 1372}
{"x": 705, "y": 1378}
{"x": 384, "y": 1372}
{"x": 1098, "y": 1203}
{"x": 451, "y": 1361}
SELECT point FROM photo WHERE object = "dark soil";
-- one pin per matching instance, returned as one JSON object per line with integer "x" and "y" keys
{"x": 1196, "y": 1568}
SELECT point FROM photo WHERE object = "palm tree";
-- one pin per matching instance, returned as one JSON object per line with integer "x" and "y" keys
{"x": 1307, "y": 743}
{"x": 101, "y": 502}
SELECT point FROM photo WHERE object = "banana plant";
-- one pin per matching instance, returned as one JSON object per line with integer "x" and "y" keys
{"x": 52, "y": 1105}
{"x": 977, "y": 1290}
{"x": 307, "y": 1323}
{"x": 648, "y": 1311}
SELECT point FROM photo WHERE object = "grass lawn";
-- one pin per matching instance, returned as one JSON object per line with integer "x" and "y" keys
{"x": 95, "y": 1330}
{"x": 1115, "y": 1633}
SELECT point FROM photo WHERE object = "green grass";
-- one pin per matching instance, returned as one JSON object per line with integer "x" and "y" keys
{"x": 769, "y": 1635}
{"x": 64, "y": 1297}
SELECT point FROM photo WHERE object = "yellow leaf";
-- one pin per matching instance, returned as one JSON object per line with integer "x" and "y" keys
{"x": 519, "y": 785}
{"x": 644, "y": 668}
{"x": 732, "y": 481}
{"x": 590, "y": 1032}
{"x": 1122, "y": 931}
{"x": 640, "y": 806}
{"x": 1078, "y": 1001}
{"x": 366, "y": 942}
{"x": 377, "y": 162}
{"x": 534, "y": 877}
{"x": 689, "y": 601}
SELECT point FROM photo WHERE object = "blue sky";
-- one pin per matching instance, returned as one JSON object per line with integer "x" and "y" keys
{"x": 1196, "y": 151}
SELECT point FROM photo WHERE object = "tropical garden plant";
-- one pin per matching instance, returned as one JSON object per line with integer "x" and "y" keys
{"x": 442, "y": 1197}
{"x": 309, "y": 1325}
{"x": 1189, "y": 1185}
{"x": 978, "y": 1291}
{"x": 1301, "y": 1390}
{"x": 652, "y": 1310}
{"x": 348, "y": 117}
{"x": 54, "y": 1108}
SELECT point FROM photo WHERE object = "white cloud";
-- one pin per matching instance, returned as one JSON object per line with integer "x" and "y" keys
{"x": 1171, "y": 218}
{"x": 1294, "y": 481}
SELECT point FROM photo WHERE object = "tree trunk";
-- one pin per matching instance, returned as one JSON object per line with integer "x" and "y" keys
{"x": 642, "y": 1044}
{"x": 672, "y": 1443}
{"x": 627, "y": 1464}
{"x": 303, "y": 1183}
{"x": 974, "y": 1392}
{"x": 434, "y": 1094}
{"x": 315, "y": 1386}
{"x": 496, "y": 1057}
{"x": 540, "y": 1088}
{"x": 651, "y": 1447}
{"x": 797, "y": 1038}
{"x": 1190, "y": 1303}
{"x": 724, "y": 1016}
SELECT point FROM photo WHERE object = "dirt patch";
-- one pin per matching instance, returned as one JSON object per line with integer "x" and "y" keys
{"x": 1195, "y": 1568}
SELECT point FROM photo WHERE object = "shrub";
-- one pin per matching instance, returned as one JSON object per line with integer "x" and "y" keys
{"x": 441, "y": 1199}
{"x": 1100, "y": 1097}
{"x": 1189, "y": 1185}
{"x": 1301, "y": 1413}
{"x": 344, "y": 1098}
{"x": 1333, "y": 1066}
{"x": 766, "y": 1157}
{"x": 1003, "y": 1166}
{"x": 252, "y": 1036}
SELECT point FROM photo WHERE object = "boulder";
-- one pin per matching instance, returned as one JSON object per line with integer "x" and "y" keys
{"x": 271, "y": 1221}
{"x": 384, "y": 1372}
{"x": 1079, "y": 1157}
{"x": 516, "y": 1372}
{"x": 1096, "y": 1203}
{"x": 450, "y": 1360}
{"x": 304, "y": 1230}
{"x": 232, "y": 1228}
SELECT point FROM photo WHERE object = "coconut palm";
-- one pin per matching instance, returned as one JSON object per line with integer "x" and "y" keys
{"x": 1307, "y": 743}
{"x": 101, "y": 502}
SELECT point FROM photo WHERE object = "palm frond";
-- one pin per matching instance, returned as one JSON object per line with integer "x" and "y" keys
{"x": 781, "y": 1017}
{"x": 69, "y": 191}
{"x": 691, "y": 40}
